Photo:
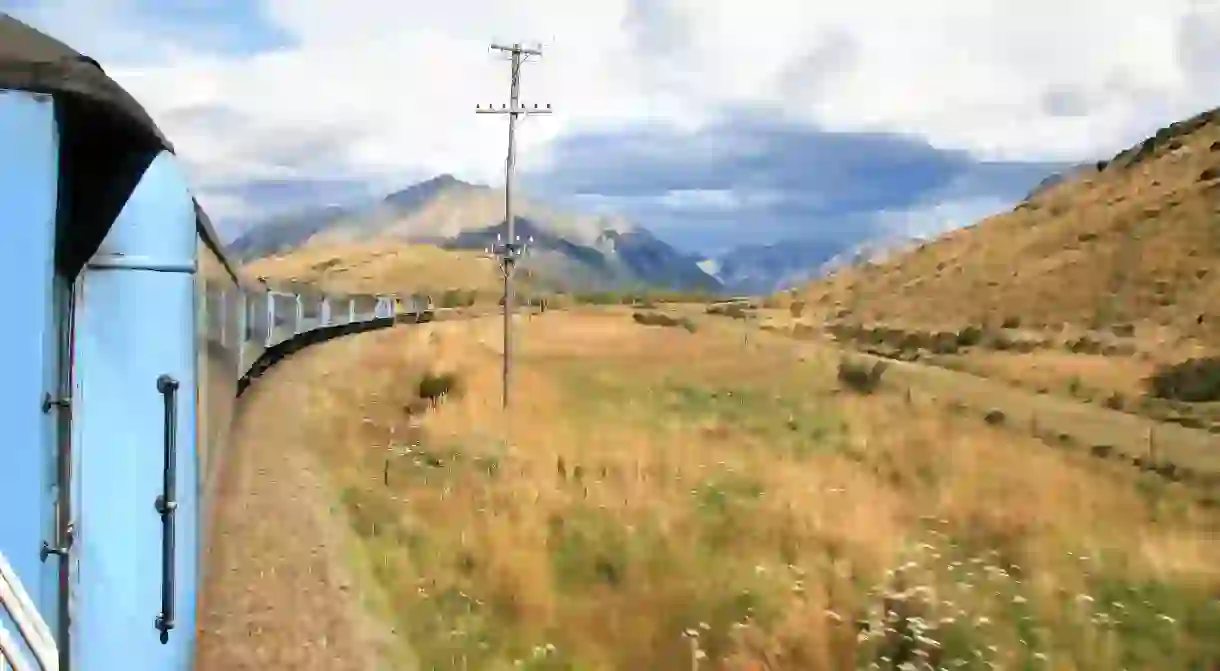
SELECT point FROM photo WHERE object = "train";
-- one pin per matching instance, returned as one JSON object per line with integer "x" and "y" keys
{"x": 130, "y": 336}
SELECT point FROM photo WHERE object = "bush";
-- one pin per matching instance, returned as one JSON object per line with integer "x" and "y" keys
{"x": 1011, "y": 322}
{"x": 943, "y": 342}
{"x": 1192, "y": 381}
{"x": 1084, "y": 345}
{"x": 434, "y": 387}
{"x": 1002, "y": 343}
{"x": 995, "y": 417}
{"x": 457, "y": 298}
{"x": 969, "y": 336}
{"x": 660, "y": 319}
{"x": 859, "y": 375}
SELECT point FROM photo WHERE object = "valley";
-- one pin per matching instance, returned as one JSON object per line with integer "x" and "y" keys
{"x": 997, "y": 448}
{"x": 671, "y": 497}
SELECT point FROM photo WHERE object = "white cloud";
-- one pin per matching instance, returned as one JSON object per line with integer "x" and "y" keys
{"x": 392, "y": 84}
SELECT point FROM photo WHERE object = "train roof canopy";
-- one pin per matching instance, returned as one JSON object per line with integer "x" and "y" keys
{"x": 106, "y": 139}
{"x": 34, "y": 61}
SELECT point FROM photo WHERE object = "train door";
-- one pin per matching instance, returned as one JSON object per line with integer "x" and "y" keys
{"x": 134, "y": 556}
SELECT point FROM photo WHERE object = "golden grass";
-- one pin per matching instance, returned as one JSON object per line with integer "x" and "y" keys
{"x": 1135, "y": 243}
{"x": 1076, "y": 374}
{"x": 381, "y": 265}
{"x": 659, "y": 499}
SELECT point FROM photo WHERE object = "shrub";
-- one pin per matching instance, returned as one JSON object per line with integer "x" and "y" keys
{"x": 859, "y": 375}
{"x": 660, "y": 319}
{"x": 457, "y": 298}
{"x": 434, "y": 387}
{"x": 943, "y": 342}
{"x": 969, "y": 336}
{"x": 1002, "y": 343}
{"x": 995, "y": 417}
{"x": 1209, "y": 174}
{"x": 1084, "y": 345}
{"x": 1192, "y": 381}
{"x": 1011, "y": 322}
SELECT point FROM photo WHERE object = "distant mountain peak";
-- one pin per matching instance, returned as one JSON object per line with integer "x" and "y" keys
{"x": 445, "y": 180}
{"x": 421, "y": 192}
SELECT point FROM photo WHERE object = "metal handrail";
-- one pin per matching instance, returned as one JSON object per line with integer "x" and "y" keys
{"x": 30, "y": 625}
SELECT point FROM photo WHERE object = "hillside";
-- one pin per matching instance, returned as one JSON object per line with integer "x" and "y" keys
{"x": 578, "y": 251}
{"x": 380, "y": 266}
{"x": 1134, "y": 240}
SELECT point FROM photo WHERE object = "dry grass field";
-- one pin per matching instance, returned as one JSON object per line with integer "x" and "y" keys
{"x": 667, "y": 499}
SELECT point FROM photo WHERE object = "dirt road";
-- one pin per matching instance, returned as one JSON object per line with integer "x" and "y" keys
{"x": 1085, "y": 424}
{"x": 278, "y": 594}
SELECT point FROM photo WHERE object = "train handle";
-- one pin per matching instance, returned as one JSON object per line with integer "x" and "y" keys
{"x": 167, "y": 504}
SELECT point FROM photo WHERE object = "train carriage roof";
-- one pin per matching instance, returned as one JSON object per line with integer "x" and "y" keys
{"x": 107, "y": 139}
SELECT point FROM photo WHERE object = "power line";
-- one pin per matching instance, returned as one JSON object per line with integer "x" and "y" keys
{"x": 511, "y": 248}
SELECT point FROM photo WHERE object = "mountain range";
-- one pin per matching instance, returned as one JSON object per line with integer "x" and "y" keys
{"x": 573, "y": 251}
{"x": 567, "y": 251}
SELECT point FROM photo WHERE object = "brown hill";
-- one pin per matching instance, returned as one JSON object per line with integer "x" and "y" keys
{"x": 1135, "y": 240}
{"x": 381, "y": 266}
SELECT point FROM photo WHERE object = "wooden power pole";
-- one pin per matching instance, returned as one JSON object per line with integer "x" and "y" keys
{"x": 511, "y": 249}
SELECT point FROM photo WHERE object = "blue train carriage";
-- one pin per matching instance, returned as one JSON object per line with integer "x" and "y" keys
{"x": 100, "y": 242}
{"x": 132, "y": 335}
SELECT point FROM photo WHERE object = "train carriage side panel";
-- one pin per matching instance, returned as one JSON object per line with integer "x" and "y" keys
{"x": 135, "y": 314}
{"x": 257, "y": 327}
{"x": 28, "y": 193}
{"x": 219, "y": 344}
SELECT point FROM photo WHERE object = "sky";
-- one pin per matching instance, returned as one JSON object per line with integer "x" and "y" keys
{"x": 714, "y": 123}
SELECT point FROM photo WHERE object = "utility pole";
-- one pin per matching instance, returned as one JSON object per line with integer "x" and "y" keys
{"x": 510, "y": 250}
